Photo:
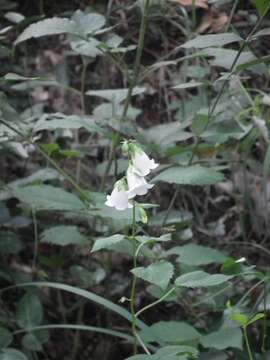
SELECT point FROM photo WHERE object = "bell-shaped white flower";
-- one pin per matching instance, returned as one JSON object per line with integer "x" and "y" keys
{"x": 137, "y": 185}
{"x": 119, "y": 197}
{"x": 142, "y": 162}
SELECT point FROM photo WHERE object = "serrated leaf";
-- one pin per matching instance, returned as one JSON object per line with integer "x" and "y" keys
{"x": 48, "y": 197}
{"x": 107, "y": 242}
{"x": 46, "y": 27}
{"x": 115, "y": 95}
{"x": 199, "y": 278}
{"x": 158, "y": 273}
{"x": 192, "y": 175}
{"x": 204, "y": 41}
{"x": 12, "y": 354}
{"x": 223, "y": 339}
{"x": 171, "y": 331}
{"x": 262, "y": 6}
{"x": 5, "y": 337}
{"x": 29, "y": 312}
{"x": 194, "y": 255}
{"x": 63, "y": 235}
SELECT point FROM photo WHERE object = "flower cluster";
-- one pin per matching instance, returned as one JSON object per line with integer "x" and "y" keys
{"x": 134, "y": 183}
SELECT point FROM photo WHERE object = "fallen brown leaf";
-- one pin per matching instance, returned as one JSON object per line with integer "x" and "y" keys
{"x": 206, "y": 22}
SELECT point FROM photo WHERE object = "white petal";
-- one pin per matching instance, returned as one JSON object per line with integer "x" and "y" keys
{"x": 137, "y": 185}
{"x": 143, "y": 163}
{"x": 118, "y": 199}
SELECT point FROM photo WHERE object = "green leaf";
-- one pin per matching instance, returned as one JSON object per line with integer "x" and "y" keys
{"x": 88, "y": 23}
{"x": 48, "y": 197}
{"x": 12, "y": 354}
{"x": 203, "y": 41}
{"x": 171, "y": 331}
{"x": 173, "y": 352}
{"x": 5, "y": 337}
{"x": 158, "y": 273}
{"x": 251, "y": 63}
{"x": 86, "y": 277}
{"x": 255, "y": 318}
{"x": 88, "y": 47}
{"x": 67, "y": 122}
{"x": 10, "y": 243}
{"x": 107, "y": 242}
{"x": 17, "y": 77}
{"x": 83, "y": 328}
{"x": 153, "y": 239}
{"x": 63, "y": 235}
{"x": 188, "y": 85}
{"x": 192, "y": 175}
{"x": 176, "y": 350}
{"x": 165, "y": 135}
{"x": 29, "y": 311}
{"x": 223, "y": 339}
{"x": 262, "y": 6}
{"x": 231, "y": 267}
{"x": 115, "y": 96}
{"x": 45, "y": 27}
{"x": 87, "y": 295}
{"x": 199, "y": 278}
{"x": 38, "y": 176}
{"x": 240, "y": 318}
{"x": 33, "y": 341}
{"x": 262, "y": 32}
{"x": 194, "y": 255}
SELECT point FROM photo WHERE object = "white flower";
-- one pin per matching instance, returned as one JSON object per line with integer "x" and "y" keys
{"x": 137, "y": 185}
{"x": 142, "y": 162}
{"x": 119, "y": 197}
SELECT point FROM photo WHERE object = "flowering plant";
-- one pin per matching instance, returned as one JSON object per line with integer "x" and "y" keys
{"x": 134, "y": 182}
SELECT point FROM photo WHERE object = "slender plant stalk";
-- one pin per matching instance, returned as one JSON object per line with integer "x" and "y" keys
{"x": 133, "y": 82}
{"x": 134, "y": 282}
{"x": 34, "y": 263}
{"x": 155, "y": 302}
{"x": 85, "y": 63}
{"x": 247, "y": 343}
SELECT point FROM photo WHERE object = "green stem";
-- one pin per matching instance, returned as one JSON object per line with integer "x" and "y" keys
{"x": 85, "y": 62}
{"x": 34, "y": 263}
{"x": 247, "y": 343}
{"x": 133, "y": 284}
{"x": 133, "y": 82}
{"x": 50, "y": 160}
{"x": 155, "y": 302}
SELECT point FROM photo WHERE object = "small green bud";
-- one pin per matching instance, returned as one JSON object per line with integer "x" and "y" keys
{"x": 143, "y": 215}
{"x": 125, "y": 146}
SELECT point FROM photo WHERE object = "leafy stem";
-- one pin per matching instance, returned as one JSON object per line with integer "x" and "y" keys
{"x": 133, "y": 82}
